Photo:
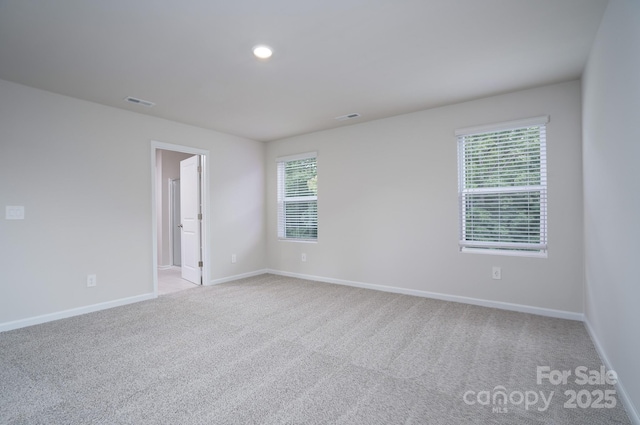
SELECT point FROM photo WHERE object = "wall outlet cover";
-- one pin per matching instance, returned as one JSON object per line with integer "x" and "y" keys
{"x": 496, "y": 273}
{"x": 14, "y": 212}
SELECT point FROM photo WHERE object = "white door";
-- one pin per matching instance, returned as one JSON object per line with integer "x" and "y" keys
{"x": 190, "y": 215}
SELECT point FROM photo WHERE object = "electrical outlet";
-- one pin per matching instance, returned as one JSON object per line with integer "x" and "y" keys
{"x": 14, "y": 212}
{"x": 233, "y": 258}
{"x": 92, "y": 280}
{"x": 496, "y": 273}
{"x": 303, "y": 257}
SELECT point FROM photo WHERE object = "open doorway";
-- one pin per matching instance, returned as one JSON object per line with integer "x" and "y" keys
{"x": 179, "y": 178}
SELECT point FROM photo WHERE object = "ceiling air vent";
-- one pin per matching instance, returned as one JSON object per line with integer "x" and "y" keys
{"x": 347, "y": 117}
{"x": 139, "y": 101}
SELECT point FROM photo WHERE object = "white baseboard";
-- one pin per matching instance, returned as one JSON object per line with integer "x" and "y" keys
{"x": 632, "y": 412}
{"x": 23, "y": 323}
{"x": 445, "y": 297}
{"x": 236, "y": 277}
{"x": 165, "y": 267}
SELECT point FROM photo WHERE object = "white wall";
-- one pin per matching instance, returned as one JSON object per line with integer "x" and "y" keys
{"x": 388, "y": 210}
{"x": 611, "y": 110}
{"x": 83, "y": 173}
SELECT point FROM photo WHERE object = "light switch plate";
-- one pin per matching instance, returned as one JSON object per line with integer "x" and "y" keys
{"x": 15, "y": 212}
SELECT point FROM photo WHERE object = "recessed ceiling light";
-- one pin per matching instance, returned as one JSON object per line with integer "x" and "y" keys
{"x": 262, "y": 52}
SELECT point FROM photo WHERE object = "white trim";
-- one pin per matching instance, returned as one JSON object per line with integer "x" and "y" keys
{"x": 297, "y": 240}
{"x": 508, "y": 189}
{"x": 631, "y": 410}
{"x": 296, "y": 157}
{"x": 37, "y": 320}
{"x": 206, "y": 272}
{"x": 508, "y": 245}
{"x": 237, "y": 277}
{"x": 540, "y": 311}
{"x": 178, "y": 148}
{"x": 531, "y": 254}
{"x": 487, "y": 128}
{"x": 169, "y": 267}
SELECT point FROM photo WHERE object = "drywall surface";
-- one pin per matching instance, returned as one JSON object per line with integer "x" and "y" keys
{"x": 83, "y": 173}
{"x": 388, "y": 205}
{"x": 611, "y": 106}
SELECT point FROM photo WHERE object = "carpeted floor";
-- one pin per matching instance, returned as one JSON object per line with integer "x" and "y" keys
{"x": 277, "y": 350}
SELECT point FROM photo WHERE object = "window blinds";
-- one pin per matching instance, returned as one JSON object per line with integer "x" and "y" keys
{"x": 298, "y": 197}
{"x": 503, "y": 186}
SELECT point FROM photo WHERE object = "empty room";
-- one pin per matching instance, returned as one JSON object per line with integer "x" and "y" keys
{"x": 319, "y": 212}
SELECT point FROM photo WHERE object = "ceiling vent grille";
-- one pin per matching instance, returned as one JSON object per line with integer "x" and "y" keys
{"x": 141, "y": 102}
{"x": 347, "y": 117}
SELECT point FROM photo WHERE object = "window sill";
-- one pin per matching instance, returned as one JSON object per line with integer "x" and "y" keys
{"x": 503, "y": 252}
{"x": 298, "y": 240}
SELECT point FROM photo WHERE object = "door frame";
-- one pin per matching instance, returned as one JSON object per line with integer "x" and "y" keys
{"x": 204, "y": 189}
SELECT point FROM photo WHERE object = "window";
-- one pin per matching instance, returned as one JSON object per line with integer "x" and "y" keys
{"x": 502, "y": 187}
{"x": 298, "y": 197}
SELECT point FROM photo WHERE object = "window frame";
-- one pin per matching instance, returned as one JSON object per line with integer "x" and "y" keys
{"x": 496, "y": 247}
{"x": 282, "y": 200}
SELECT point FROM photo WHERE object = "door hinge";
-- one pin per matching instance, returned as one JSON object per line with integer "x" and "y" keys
{"x": 199, "y": 263}
{"x": 199, "y": 216}
{"x": 199, "y": 169}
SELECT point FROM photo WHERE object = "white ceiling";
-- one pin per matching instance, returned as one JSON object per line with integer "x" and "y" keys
{"x": 378, "y": 58}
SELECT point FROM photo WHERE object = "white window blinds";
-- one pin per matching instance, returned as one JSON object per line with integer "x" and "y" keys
{"x": 503, "y": 186}
{"x": 298, "y": 197}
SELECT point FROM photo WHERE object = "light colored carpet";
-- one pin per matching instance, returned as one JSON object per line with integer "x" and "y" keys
{"x": 277, "y": 350}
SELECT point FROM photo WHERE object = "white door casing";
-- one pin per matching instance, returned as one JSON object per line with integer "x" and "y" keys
{"x": 156, "y": 183}
{"x": 190, "y": 214}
